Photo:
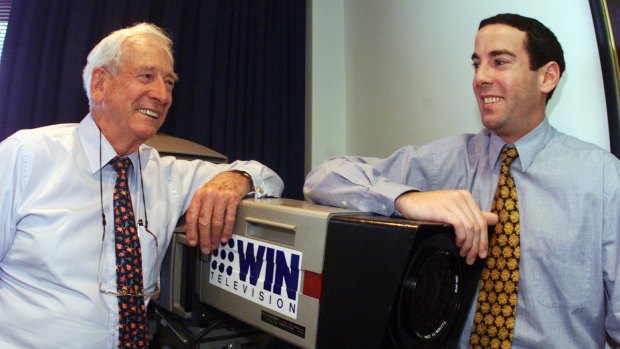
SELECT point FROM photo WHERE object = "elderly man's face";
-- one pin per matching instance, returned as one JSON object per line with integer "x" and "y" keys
{"x": 136, "y": 100}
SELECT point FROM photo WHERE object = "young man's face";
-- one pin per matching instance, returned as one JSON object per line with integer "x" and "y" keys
{"x": 136, "y": 100}
{"x": 508, "y": 93}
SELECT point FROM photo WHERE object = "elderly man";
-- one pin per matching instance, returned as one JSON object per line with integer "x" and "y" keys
{"x": 87, "y": 210}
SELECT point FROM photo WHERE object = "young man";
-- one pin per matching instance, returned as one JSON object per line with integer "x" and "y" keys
{"x": 87, "y": 211}
{"x": 564, "y": 236}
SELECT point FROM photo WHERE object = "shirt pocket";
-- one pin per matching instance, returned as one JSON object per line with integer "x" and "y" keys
{"x": 149, "y": 246}
{"x": 562, "y": 267}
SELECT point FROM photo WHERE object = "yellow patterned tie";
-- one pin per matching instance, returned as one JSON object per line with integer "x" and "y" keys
{"x": 497, "y": 301}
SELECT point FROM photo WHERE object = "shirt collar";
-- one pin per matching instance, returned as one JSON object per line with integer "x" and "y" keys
{"x": 89, "y": 137}
{"x": 528, "y": 146}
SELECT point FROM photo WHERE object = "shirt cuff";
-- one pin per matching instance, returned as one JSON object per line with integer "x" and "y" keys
{"x": 388, "y": 192}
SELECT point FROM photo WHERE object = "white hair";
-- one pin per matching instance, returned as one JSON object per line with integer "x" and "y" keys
{"x": 109, "y": 50}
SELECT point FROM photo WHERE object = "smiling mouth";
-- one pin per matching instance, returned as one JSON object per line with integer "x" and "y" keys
{"x": 491, "y": 100}
{"x": 149, "y": 113}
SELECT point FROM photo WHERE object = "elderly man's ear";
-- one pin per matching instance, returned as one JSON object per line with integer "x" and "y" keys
{"x": 98, "y": 83}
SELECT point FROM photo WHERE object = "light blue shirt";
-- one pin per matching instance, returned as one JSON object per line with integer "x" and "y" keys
{"x": 569, "y": 198}
{"x": 51, "y": 230}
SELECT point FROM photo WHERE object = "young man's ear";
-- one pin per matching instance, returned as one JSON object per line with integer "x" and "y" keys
{"x": 550, "y": 77}
{"x": 98, "y": 83}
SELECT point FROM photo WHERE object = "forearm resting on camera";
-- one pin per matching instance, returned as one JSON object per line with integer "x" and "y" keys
{"x": 211, "y": 214}
{"x": 454, "y": 207}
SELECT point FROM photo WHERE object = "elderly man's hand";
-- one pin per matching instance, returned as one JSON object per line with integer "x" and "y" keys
{"x": 210, "y": 217}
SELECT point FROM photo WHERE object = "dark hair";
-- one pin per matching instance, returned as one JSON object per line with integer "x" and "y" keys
{"x": 541, "y": 44}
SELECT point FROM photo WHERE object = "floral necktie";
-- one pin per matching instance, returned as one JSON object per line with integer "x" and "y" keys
{"x": 497, "y": 301}
{"x": 131, "y": 310}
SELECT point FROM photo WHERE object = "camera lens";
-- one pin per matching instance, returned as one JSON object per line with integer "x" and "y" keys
{"x": 430, "y": 295}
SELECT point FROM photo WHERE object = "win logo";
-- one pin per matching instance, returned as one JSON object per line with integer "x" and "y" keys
{"x": 263, "y": 273}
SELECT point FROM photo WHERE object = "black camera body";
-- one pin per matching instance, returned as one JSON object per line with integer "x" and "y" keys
{"x": 393, "y": 283}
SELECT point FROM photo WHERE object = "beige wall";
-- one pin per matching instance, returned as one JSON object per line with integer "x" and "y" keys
{"x": 325, "y": 90}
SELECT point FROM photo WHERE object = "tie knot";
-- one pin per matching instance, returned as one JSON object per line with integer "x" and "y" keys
{"x": 120, "y": 165}
{"x": 509, "y": 153}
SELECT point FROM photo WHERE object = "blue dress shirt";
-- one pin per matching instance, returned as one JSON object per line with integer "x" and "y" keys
{"x": 51, "y": 230}
{"x": 569, "y": 198}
